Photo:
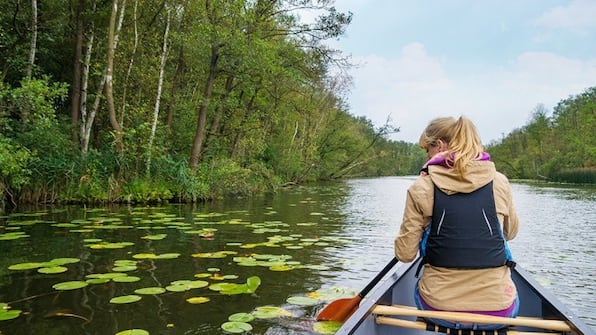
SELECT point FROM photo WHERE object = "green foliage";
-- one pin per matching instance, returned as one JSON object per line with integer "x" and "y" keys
{"x": 557, "y": 148}
{"x": 578, "y": 176}
{"x": 146, "y": 191}
{"x": 14, "y": 160}
{"x": 249, "y": 101}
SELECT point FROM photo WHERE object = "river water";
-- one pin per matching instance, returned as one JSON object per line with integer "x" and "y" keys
{"x": 303, "y": 242}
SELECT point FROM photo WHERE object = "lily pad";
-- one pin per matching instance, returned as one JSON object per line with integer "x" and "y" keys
{"x": 236, "y": 327}
{"x": 133, "y": 332}
{"x": 13, "y": 236}
{"x": 124, "y": 268}
{"x": 222, "y": 286}
{"x": 203, "y": 275}
{"x": 125, "y": 299}
{"x": 155, "y": 237}
{"x": 253, "y": 283}
{"x": 332, "y": 293}
{"x": 326, "y": 327}
{"x": 150, "y": 290}
{"x": 197, "y": 300}
{"x": 281, "y": 268}
{"x": 126, "y": 279}
{"x": 63, "y": 261}
{"x": 25, "y": 266}
{"x": 9, "y": 314}
{"x": 269, "y": 312}
{"x": 97, "y": 281}
{"x": 70, "y": 285}
{"x": 168, "y": 256}
{"x": 241, "y": 317}
{"x": 109, "y": 275}
{"x": 302, "y": 301}
{"x": 144, "y": 256}
{"x": 52, "y": 269}
{"x": 185, "y": 285}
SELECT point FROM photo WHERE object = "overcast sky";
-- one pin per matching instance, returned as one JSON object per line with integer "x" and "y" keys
{"x": 493, "y": 61}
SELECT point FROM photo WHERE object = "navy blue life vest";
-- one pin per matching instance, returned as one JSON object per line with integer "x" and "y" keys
{"x": 465, "y": 232}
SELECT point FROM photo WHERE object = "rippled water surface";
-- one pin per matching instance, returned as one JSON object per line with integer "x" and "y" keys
{"x": 328, "y": 236}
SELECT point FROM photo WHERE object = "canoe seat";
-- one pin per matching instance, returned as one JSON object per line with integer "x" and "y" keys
{"x": 399, "y": 310}
{"x": 439, "y": 329}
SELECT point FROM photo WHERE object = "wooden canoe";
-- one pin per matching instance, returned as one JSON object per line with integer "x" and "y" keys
{"x": 388, "y": 309}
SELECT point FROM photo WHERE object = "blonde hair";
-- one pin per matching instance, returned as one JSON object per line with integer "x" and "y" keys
{"x": 461, "y": 137}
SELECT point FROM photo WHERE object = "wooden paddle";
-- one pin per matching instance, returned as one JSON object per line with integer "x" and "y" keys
{"x": 341, "y": 309}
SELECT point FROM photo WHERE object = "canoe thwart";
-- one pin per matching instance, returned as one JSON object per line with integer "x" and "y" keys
{"x": 557, "y": 325}
{"x": 424, "y": 326}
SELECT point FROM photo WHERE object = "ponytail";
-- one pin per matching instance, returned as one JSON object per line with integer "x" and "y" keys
{"x": 465, "y": 145}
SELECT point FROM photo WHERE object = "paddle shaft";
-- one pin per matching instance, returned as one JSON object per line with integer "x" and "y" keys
{"x": 471, "y": 317}
{"x": 422, "y": 326}
{"x": 377, "y": 278}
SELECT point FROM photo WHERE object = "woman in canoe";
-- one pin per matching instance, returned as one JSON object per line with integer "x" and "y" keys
{"x": 459, "y": 214}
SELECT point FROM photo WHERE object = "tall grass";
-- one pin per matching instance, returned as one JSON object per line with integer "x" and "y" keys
{"x": 577, "y": 176}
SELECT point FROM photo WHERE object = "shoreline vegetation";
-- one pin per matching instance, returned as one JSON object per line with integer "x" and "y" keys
{"x": 110, "y": 102}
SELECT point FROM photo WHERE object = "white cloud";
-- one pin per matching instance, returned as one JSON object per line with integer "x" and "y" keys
{"x": 579, "y": 16}
{"x": 415, "y": 87}
{"x": 402, "y": 88}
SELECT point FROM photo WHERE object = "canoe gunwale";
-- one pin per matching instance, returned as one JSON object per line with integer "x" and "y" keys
{"x": 370, "y": 301}
{"x": 383, "y": 292}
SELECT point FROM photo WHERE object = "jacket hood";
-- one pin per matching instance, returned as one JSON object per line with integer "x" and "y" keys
{"x": 478, "y": 174}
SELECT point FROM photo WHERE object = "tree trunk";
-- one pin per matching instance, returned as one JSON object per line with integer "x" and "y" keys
{"x": 240, "y": 131}
{"x": 175, "y": 82}
{"x": 86, "y": 121}
{"x": 76, "y": 73}
{"x": 214, "y": 129}
{"x": 33, "y": 46}
{"x": 130, "y": 63}
{"x": 197, "y": 146}
{"x": 109, "y": 77}
{"x": 162, "y": 64}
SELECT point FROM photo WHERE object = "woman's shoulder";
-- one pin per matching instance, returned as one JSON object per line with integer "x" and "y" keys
{"x": 501, "y": 178}
{"x": 422, "y": 184}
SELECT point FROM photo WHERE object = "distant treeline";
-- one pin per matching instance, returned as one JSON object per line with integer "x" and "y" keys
{"x": 121, "y": 100}
{"x": 560, "y": 147}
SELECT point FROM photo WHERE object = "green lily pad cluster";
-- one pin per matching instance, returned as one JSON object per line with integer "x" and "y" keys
{"x": 332, "y": 293}
{"x": 239, "y": 322}
{"x": 124, "y": 265}
{"x": 278, "y": 235}
{"x": 252, "y": 283}
{"x": 155, "y": 237}
{"x": 8, "y": 314}
{"x": 50, "y": 267}
{"x": 266, "y": 260}
{"x": 118, "y": 277}
{"x": 109, "y": 245}
{"x": 170, "y": 255}
{"x": 216, "y": 254}
{"x": 203, "y": 232}
{"x": 186, "y": 285}
{"x": 13, "y": 235}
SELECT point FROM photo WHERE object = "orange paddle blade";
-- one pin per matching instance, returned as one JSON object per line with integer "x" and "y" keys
{"x": 339, "y": 310}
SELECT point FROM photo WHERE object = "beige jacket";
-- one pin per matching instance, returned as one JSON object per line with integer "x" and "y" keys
{"x": 451, "y": 289}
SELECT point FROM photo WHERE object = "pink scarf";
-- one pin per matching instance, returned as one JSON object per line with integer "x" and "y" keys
{"x": 440, "y": 159}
